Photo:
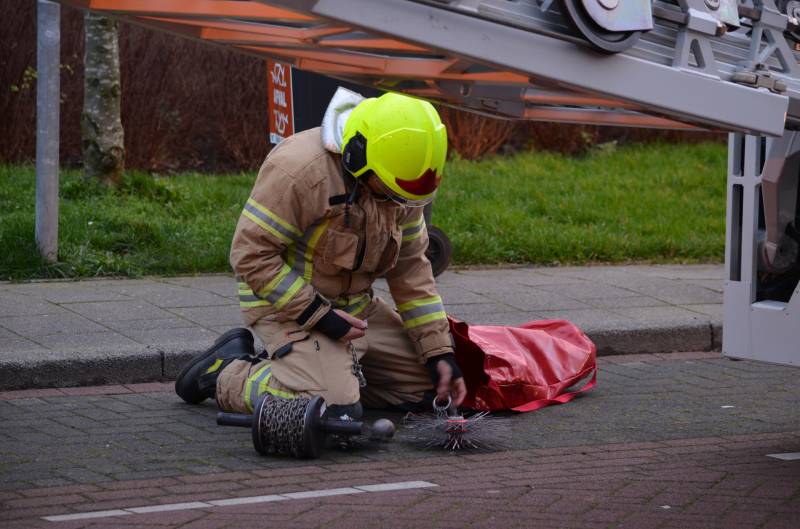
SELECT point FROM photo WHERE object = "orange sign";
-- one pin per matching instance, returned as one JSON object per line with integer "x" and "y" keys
{"x": 281, "y": 109}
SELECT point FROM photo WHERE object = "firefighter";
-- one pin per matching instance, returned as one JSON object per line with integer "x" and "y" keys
{"x": 333, "y": 209}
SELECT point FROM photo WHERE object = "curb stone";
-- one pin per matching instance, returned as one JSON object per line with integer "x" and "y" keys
{"x": 151, "y": 364}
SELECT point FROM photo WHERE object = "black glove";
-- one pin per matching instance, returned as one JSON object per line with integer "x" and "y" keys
{"x": 450, "y": 358}
{"x": 332, "y": 325}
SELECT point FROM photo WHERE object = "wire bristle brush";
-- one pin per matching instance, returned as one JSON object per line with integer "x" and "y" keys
{"x": 449, "y": 429}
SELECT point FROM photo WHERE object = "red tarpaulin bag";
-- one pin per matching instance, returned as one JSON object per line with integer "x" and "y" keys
{"x": 523, "y": 368}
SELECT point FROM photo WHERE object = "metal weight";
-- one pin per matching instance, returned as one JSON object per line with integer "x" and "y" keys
{"x": 382, "y": 430}
{"x": 295, "y": 427}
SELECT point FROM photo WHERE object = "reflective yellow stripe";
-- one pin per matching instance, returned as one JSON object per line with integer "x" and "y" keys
{"x": 413, "y": 224}
{"x": 300, "y": 254}
{"x": 262, "y": 384}
{"x": 360, "y": 308}
{"x": 312, "y": 243}
{"x": 267, "y": 227}
{"x": 258, "y": 384}
{"x": 297, "y": 285}
{"x": 413, "y": 236}
{"x": 416, "y": 322}
{"x": 251, "y": 304}
{"x": 247, "y": 299}
{"x": 408, "y": 305}
{"x": 291, "y": 250}
{"x": 249, "y": 396}
{"x": 421, "y": 311}
{"x": 413, "y": 230}
{"x": 272, "y": 285}
{"x": 214, "y": 366}
{"x": 279, "y": 393}
{"x": 245, "y": 290}
{"x": 353, "y": 306}
{"x": 274, "y": 217}
{"x": 278, "y": 292}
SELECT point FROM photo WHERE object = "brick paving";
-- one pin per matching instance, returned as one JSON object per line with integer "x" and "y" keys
{"x": 726, "y": 484}
{"x": 663, "y": 441}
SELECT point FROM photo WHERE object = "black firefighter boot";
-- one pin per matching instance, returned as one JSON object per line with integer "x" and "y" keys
{"x": 198, "y": 379}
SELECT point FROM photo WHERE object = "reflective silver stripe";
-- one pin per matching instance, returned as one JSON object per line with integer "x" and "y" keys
{"x": 414, "y": 229}
{"x": 358, "y": 307}
{"x": 282, "y": 288}
{"x": 288, "y": 286}
{"x": 256, "y": 383}
{"x": 247, "y": 298}
{"x": 353, "y": 305}
{"x": 300, "y": 247}
{"x": 266, "y": 219}
{"x": 299, "y": 250}
{"x": 421, "y": 311}
{"x": 414, "y": 232}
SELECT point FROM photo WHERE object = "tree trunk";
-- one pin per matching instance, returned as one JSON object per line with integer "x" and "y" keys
{"x": 101, "y": 127}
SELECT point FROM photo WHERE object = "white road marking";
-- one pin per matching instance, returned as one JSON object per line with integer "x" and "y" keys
{"x": 169, "y": 507}
{"x": 321, "y": 493}
{"x": 247, "y": 500}
{"x": 788, "y": 456}
{"x": 86, "y": 515}
{"x": 383, "y": 487}
{"x": 301, "y": 495}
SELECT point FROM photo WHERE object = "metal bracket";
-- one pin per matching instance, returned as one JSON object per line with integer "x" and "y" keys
{"x": 760, "y": 78}
{"x": 703, "y": 22}
{"x": 769, "y": 28}
{"x": 692, "y": 40}
{"x": 726, "y": 11}
{"x": 691, "y": 44}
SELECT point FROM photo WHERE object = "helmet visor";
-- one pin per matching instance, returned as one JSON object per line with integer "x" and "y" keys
{"x": 394, "y": 197}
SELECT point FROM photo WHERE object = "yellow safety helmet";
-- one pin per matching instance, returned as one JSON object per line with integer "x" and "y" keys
{"x": 402, "y": 140}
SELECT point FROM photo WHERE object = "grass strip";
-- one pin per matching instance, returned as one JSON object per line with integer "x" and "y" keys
{"x": 652, "y": 203}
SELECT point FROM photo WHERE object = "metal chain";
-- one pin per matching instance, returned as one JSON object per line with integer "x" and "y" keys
{"x": 281, "y": 420}
{"x": 281, "y": 425}
{"x": 356, "y": 369}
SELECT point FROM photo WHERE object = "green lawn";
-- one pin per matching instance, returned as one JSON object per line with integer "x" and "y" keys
{"x": 658, "y": 203}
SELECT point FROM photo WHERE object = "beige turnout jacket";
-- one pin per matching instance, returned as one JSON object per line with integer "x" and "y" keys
{"x": 296, "y": 239}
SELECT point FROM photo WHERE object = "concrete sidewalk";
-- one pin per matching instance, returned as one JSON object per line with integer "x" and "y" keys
{"x": 124, "y": 331}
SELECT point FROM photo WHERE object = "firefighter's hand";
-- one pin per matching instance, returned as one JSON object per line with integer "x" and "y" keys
{"x": 448, "y": 379}
{"x": 358, "y": 328}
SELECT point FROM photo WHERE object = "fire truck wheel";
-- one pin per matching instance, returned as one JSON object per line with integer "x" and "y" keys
{"x": 440, "y": 250}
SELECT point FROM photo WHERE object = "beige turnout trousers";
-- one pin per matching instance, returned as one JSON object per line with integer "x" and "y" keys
{"x": 317, "y": 365}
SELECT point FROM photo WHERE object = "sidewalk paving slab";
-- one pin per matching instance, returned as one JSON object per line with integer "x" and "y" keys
{"x": 106, "y": 331}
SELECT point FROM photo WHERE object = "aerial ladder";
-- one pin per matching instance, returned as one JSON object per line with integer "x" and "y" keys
{"x": 716, "y": 65}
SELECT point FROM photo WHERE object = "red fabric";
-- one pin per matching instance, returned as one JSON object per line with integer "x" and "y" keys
{"x": 523, "y": 368}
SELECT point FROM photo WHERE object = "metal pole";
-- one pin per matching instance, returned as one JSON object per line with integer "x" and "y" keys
{"x": 48, "y": 95}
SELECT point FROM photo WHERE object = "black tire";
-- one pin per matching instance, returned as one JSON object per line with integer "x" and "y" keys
{"x": 440, "y": 250}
